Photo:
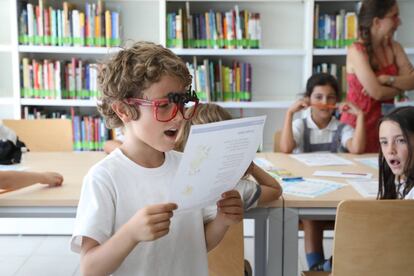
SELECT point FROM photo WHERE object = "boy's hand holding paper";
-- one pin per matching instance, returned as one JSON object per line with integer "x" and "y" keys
{"x": 215, "y": 158}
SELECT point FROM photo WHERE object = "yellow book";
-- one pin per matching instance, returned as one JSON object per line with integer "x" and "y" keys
{"x": 97, "y": 26}
{"x": 351, "y": 26}
{"x": 82, "y": 28}
{"x": 108, "y": 29}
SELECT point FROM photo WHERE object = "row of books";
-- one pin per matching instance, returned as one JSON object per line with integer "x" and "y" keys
{"x": 338, "y": 71}
{"x": 335, "y": 30}
{"x": 89, "y": 132}
{"x": 213, "y": 29}
{"x": 69, "y": 26}
{"x": 214, "y": 81}
{"x": 55, "y": 79}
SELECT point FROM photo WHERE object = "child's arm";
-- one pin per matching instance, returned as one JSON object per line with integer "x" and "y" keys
{"x": 271, "y": 189}
{"x": 11, "y": 180}
{"x": 358, "y": 60}
{"x": 405, "y": 78}
{"x": 111, "y": 145}
{"x": 356, "y": 144}
{"x": 148, "y": 224}
{"x": 229, "y": 212}
{"x": 287, "y": 141}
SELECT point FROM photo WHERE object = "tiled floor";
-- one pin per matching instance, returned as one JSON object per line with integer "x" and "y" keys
{"x": 37, "y": 255}
{"x": 32, "y": 255}
{"x": 50, "y": 255}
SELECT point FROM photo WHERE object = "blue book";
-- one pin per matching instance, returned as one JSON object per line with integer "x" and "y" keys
{"x": 115, "y": 25}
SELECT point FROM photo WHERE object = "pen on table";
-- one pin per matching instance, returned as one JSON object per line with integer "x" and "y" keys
{"x": 351, "y": 173}
{"x": 292, "y": 179}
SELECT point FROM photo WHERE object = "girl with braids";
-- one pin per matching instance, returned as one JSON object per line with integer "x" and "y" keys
{"x": 396, "y": 158}
{"x": 377, "y": 67}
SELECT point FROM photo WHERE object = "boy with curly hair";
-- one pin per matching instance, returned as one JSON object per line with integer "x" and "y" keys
{"x": 124, "y": 224}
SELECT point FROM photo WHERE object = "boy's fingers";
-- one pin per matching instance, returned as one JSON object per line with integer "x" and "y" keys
{"x": 161, "y": 208}
{"x": 162, "y": 226}
{"x": 233, "y": 210}
{"x": 160, "y": 217}
{"x": 230, "y": 202}
{"x": 231, "y": 193}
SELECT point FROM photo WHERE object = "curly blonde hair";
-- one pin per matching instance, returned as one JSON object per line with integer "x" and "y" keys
{"x": 133, "y": 70}
{"x": 204, "y": 114}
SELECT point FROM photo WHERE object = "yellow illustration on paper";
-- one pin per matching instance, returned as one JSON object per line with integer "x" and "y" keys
{"x": 188, "y": 191}
{"x": 200, "y": 155}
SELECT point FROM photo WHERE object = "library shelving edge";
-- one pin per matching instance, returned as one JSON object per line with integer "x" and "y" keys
{"x": 281, "y": 65}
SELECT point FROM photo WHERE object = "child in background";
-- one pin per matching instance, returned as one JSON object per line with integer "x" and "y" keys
{"x": 320, "y": 131}
{"x": 13, "y": 180}
{"x": 124, "y": 224}
{"x": 396, "y": 157}
{"x": 252, "y": 194}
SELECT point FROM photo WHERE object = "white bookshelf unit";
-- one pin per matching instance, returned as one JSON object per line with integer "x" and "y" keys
{"x": 280, "y": 66}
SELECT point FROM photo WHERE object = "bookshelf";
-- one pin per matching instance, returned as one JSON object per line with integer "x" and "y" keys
{"x": 281, "y": 65}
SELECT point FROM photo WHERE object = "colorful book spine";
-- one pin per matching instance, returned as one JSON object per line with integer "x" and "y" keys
{"x": 68, "y": 26}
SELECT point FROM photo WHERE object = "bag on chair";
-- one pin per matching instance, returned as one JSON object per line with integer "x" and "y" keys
{"x": 10, "y": 153}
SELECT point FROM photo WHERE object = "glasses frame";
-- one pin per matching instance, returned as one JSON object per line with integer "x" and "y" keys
{"x": 178, "y": 98}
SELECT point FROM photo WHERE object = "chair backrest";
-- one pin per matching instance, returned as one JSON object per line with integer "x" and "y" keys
{"x": 276, "y": 141}
{"x": 43, "y": 134}
{"x": 228, "y": 257}
{"x": 374, "y": 237}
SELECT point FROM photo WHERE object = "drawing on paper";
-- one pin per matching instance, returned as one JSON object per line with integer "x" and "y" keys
{"x": 188, "y": 191}
{"x": 200, "y": 155}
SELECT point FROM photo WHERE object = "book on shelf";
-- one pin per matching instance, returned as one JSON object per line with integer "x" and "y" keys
{"x": 334, "y": 30}
{"x": 56, "y": 79}
{"x": 69, "y": 25}
{"x": 214, "y": 81}
{"x": 89, "y": 132}
{"x": 336, "y": 70}
{"x": 213, "y": 29}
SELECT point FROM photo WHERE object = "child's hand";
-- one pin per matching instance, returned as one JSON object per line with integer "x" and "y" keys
{"x": 230, "y": 208}
{"x": 350, "y": 108}
{"x": 299, "y": 105}
{"x": 52, "y": 179}
{"x": 151, "y": 222}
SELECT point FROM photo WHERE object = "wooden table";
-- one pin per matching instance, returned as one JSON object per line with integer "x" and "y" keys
{"x": 319, "y": 208}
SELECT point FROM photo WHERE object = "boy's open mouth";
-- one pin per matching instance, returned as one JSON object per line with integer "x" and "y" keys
{"x": 171, "y": 132}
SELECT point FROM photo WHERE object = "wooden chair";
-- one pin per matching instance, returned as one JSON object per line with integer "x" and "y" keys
{"x": 314, "y": 273}
{"x": 374, "y": 238}
{"x": 228, "y": 257}
{"x": 43, "y": 134}
{"x": 276, "y": 141}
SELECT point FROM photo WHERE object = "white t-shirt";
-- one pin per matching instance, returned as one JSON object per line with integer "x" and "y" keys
{"x": 318, "y": 136}
{"x": 119, "y": 135}
{"x": 249, "y": 191}
{"x": 112, "y": 192}
{"x": 410, "y": 194}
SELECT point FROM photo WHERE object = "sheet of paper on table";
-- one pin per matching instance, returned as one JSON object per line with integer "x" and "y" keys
{"x": 369, "y": 161}
{"x": 367, "y": 188}
{"x": 321, "y": 159}
{"x": 17, "y": 167}
{"x": 309, "y": 187}
{"x": 216, "y": 156}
